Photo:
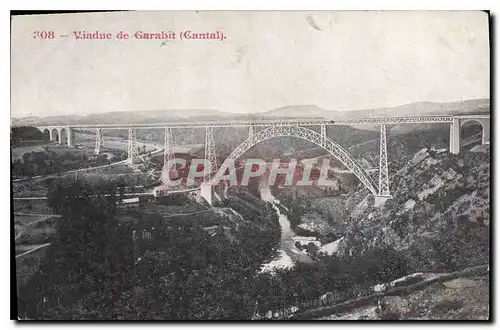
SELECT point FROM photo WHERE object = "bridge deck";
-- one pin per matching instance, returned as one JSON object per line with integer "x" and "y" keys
{"x": 282, "y": 122}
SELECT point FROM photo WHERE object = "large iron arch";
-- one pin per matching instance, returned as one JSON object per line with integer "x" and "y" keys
{"x": 306, "y": 134}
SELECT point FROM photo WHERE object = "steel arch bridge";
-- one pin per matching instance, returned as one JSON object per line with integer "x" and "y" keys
{"x": 275, "y": 127}
{"x": 306, "y": 134}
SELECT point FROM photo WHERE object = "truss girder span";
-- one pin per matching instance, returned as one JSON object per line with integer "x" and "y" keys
{"x": 285, "y": 122}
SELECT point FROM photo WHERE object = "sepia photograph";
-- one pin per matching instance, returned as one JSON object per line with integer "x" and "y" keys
{"x": 250, "y": 165}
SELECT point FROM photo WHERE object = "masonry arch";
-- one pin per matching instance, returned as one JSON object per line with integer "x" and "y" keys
{"x": 485, "y": 128}
{"x": 55, "y": 135}
{"x": 63, "y": 136}
{"x": 306, "y": 134}
{"x": 46, "y": 134}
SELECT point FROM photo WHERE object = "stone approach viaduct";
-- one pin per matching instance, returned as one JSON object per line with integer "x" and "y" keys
{"x": 261, "y": 130}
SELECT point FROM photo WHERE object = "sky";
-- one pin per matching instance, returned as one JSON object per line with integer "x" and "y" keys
{"x": 335, "y": 60}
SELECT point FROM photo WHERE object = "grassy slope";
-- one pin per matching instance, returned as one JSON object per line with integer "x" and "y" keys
{"x": 463, "y": 298}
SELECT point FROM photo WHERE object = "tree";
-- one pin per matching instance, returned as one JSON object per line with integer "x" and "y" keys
{"x": 92, "y": 249}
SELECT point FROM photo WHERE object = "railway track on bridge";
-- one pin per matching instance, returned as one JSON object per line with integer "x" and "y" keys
{"x": 276, "y": 122}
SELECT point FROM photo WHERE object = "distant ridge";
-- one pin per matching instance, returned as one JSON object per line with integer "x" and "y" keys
{"x": 411, "y": 109}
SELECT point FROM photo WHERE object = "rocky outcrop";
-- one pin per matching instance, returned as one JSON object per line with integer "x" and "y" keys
{"x": 433, "y": 191}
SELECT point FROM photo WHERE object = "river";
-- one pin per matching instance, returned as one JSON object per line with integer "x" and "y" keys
{"x": 288, "y": 253}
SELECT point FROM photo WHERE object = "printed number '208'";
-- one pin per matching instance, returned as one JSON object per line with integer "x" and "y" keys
{"x": 44, "y": 34}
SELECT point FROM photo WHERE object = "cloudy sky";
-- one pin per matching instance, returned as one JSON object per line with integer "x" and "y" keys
{"x": 336, "y": 60}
